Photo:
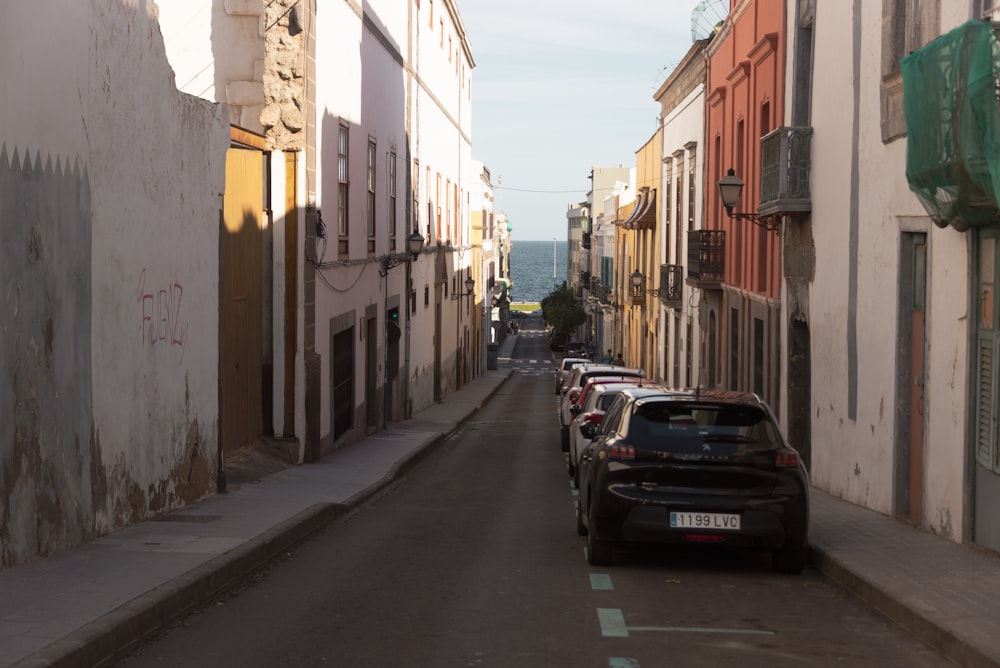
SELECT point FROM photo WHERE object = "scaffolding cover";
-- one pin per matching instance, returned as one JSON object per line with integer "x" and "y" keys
{"x": 953, "y": 126}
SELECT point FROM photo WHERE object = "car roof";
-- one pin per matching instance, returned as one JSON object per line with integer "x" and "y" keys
{"x": 613, "y": 385}
{"x": 662, "y": 393}
{"x": 610, "y": 369}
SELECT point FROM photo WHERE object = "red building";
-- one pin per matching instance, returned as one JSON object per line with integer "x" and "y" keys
{"x": 745, "y": 102}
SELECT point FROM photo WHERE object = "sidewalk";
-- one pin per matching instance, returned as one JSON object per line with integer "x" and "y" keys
{"x": 81, "y": 608}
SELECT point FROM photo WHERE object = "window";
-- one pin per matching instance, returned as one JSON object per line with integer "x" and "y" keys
{"x": 430, "y": 21}
{"x": 447, "y": 203}
{"x": 668, "y": 172}
{"x": 343, "y": 183}
{"x": 758, "y": 356}
{"x": 437, "y": 205}
{"x": 691, "y": 190}
{"x": 734, "y": 349}
{"x": 907, "y": 25}
{"x": 371, "y": 189}
{"x": 392, "y": 200}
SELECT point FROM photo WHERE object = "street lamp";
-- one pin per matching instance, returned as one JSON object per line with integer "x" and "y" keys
{"x": 414, "y": 244}
{"x": 637, "y": 280}
{"x": 469, "y": 285}
{"x": 730, "y": 189}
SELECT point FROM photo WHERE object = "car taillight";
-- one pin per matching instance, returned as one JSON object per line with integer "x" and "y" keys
{"x": 596, "y": 418}
{"x": 624, "y": 452}
{"x": 786, "y": 459}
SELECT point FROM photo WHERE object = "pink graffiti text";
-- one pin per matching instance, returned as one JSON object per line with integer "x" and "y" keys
{"x": 160, "y": 313}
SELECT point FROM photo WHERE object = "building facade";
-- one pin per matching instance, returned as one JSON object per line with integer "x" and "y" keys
{"x": 682, "y": 116}
{"x": 744, "y": 101}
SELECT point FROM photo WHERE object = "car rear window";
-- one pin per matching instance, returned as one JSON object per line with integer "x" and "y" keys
{"x": 690, "y": 428}
{"x": 604, "y": 401}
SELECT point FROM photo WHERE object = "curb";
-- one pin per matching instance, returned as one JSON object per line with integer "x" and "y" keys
{"x": 121, "y": 630}
{"x": 923, "y": 627}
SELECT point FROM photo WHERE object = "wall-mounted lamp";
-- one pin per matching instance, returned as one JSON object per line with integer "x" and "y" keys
{"x": 469, "y": 285}
{"x": 414, "y": 244}
{"x": 637, "y": 279}
{"x": 730, "y": 189}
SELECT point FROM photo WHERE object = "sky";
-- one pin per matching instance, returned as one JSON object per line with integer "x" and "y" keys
{"x": 561, "y": 86}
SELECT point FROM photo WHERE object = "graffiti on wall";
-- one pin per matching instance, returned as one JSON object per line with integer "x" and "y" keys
{"x": 160, "y": 314}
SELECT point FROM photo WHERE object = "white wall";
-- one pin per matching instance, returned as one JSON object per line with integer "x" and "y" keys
{"x": 683, "y": 125}
{"x": 139, "y": 359}
{"x": 854, "y": 459}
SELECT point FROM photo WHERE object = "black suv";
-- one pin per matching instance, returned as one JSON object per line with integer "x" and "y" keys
{"x": 692, "y": 467}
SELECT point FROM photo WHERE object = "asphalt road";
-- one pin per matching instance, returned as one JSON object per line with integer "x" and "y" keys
{"x": 473, "y": 560}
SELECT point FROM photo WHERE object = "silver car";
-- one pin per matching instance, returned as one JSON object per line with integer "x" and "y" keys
{"x": 565, "y": 366}
{"x": 579, "y": 377}
{"x": 598, "y": 396}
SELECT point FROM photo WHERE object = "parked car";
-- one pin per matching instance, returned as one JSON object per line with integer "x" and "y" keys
{"x": 574, "y": 384}
{"x": 594, "y": 400}
{"x": 577, "y": 349}
{"x": 565, "y": 366}
{"x": 692, "y": 467}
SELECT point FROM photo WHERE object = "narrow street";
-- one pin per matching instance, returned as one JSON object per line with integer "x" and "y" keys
{"x": 473, "y": 560}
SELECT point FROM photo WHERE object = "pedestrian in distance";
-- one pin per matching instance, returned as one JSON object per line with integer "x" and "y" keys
{"x": 608, "y": 358}
{"x": 619, "y": 360}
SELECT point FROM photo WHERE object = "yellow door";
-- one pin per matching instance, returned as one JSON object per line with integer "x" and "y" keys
{"x": 241, "y": 299}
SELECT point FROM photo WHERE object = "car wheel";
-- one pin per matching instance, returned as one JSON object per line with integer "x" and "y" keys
{"x": 581, "y": 528}
{"x": 564, "y": 438}
{"x": 599, "y": 552}
{"x": 791, "y": 560}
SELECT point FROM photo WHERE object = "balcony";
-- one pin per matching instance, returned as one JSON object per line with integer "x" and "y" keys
{"x": 706, "y": 258}
{"x": 672, "y": 285}
{"x": 785, "y": 163}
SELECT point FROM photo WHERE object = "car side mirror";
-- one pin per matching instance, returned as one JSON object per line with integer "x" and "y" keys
{"x": 588, "y": 429}
{"x": 575, "y": 409}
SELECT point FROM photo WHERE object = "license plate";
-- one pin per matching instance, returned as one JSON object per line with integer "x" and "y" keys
{"x": 714, "y": 521}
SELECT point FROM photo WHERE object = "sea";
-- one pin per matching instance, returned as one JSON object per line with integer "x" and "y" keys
{"x": 537, "y": 268}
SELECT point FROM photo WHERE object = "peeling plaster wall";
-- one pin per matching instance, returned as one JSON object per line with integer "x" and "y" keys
{"x": 109, "y": 199}
{"x": 855, "y": 458}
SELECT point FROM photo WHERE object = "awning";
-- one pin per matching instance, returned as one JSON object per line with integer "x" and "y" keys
{"x": 644, "y": 214}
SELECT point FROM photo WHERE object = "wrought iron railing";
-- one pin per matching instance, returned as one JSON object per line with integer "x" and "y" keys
{"x": 672, "y": 285}
{"x": 785, "y": 164}
{"x": 706, "y": 256}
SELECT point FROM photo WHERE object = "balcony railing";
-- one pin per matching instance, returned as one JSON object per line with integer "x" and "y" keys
{"x": 706, "y": 257}
{"x": 785, "y": 163}
{"x": 672, "y": 285}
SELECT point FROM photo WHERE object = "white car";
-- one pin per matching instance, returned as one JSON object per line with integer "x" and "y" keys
{"x": 565, "y": 366}
{"x": 573, "y": 386}
{"x": 596, "y": 399}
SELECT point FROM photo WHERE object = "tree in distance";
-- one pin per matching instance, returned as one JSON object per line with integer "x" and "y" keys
{"x": 561, "y": 310}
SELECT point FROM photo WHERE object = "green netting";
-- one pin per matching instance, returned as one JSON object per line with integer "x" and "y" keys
{"x": 953, "y": 126}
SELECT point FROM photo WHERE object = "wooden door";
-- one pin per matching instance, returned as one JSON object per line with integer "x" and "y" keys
{"x": 241, "y": 338}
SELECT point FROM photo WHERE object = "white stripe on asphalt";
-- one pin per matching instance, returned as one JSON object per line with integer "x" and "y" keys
{"x": 612, "y": 623}
{"x": 601, "y": 581}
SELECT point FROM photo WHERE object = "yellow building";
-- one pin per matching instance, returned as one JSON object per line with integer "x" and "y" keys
{"x": 637, "y": 260}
